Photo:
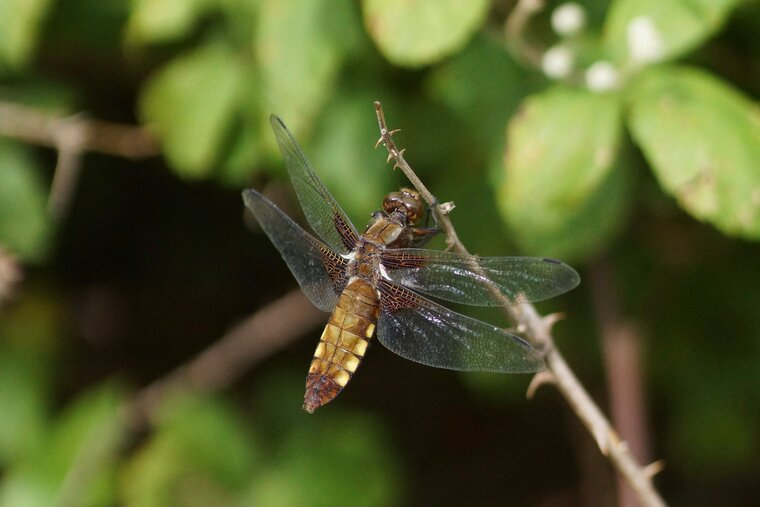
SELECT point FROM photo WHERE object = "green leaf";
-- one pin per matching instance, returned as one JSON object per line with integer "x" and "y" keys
{"x": 76, "y": 464}
{"x": 424, "y": 31}
{"x": 241, "y": 156}
{"x": 299, "y": 45}
{"x": 682, "y": 25}
{"x": 29, "y": 330}
{"x": 702, "y": 139}
{"x": 161, "y": 21}
{"x": 23, "y": 396}
{"x": 562, "y": 191}
{"x": 212, "y": 433}
{"x": 20, "y": 23}
{"x": 334, "y": 459}
{"x": 199, "y": 455}
{"x": 484, "y": 86}
{"x": 190, "y": 104}
{"x": 25, "y": 228}
{"x": 345, "y": 158}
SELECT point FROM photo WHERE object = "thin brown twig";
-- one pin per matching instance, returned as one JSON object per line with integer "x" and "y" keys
{"x": 216, "y": 367}
{"x": 621, "y": 346}
{"x": 538, "y": 330}
{"x": 44, "y": 128}
{"x": 515, "y": 28}
{"x": 11, "y": 274}
{"x": 72, "y": 136}
{"x": 70, "y": 140}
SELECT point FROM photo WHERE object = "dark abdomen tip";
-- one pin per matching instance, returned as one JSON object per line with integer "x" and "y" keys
{"x": 320, "y": 390}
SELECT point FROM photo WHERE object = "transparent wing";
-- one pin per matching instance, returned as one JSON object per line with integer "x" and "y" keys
{"x": 448, "y": 276}
{"x": 321, "y": 209}
{"x": 319, "y": 271}
{"x": 425, "y": 332}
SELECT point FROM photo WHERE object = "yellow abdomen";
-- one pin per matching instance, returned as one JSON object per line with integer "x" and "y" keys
{"x": 343, "y": 344}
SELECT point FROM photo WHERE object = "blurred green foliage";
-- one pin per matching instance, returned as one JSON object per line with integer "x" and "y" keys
{"x": 701, "y": 138}
{"x": 558, "y": 211}
{"x": 681, "y": 24}
{"x": 24, "y": 223}
{"x": 418, "y": 33}
{"x": 563, "y": 166}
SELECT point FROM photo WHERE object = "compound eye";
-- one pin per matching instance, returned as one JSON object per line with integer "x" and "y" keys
{"x": 413, "y": 204}
{"x": 392, "y": 202}
{"x": 407, "y": 200}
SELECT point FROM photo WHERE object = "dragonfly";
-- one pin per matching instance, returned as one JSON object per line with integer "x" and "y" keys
{"x": 379, "y": 284}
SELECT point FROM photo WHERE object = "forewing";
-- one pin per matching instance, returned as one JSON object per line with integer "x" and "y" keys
{"x": 420, "y": 330}
{"x": 319, "y": 271}
{"x": 449, "y": 276}
{"x": 321, "y": 209}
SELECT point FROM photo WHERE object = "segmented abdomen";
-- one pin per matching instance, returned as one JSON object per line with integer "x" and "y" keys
{"x": 343, "y": 344}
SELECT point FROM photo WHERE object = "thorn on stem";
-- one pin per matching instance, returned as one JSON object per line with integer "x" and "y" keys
{"x": 539, "y": 379}
{"x": 551, "y": 319}
{"x": 605, "y": 438}
{"x": 654, "y": 468}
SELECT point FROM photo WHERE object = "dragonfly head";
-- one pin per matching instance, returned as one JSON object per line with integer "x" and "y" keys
{"x": 406, "y": 201}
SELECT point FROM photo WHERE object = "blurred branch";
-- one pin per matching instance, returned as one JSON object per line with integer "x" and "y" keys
{"x": 622, "y": 357}
{"x": 11, "y": 274}
{"x": 71, "y": 136}
{"x": 538, "y": 330}
{"x": 46, "y": 129}
{"x": 88, "y": 463}
{"x": 216, "y": 367}
{"x": 515, "y": 32}
{"x": 70, "y": 142}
